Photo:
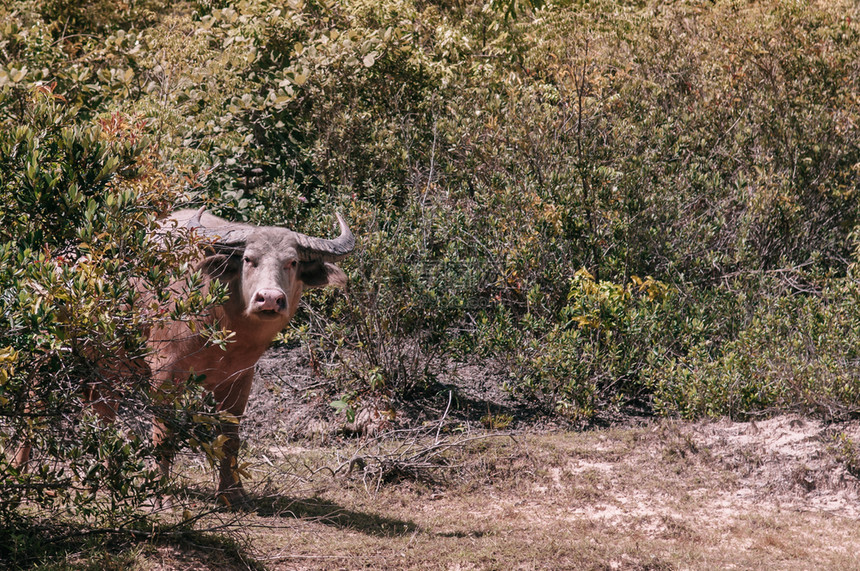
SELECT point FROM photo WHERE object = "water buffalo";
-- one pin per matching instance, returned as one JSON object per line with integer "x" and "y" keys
{"x": 266, "y": 269}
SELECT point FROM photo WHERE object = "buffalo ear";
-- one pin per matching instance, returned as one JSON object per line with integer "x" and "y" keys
{"x": 220, "y": 266}
{"x": 320, "y": 274}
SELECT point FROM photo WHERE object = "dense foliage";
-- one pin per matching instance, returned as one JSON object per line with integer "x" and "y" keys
{"x": 616, "y": 202}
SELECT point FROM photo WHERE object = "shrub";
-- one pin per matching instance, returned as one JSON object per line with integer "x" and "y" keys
{"x": 605, "y": 139}
{"x": 795, "y": 352}
{"x": 589, "y": 355}
{"x": 77, "y": 249}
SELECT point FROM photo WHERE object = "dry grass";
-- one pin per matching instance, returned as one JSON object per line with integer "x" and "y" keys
{"x": 663, "y": 496}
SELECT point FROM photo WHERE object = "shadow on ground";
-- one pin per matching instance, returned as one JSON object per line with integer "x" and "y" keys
{"x": 331, "y": 514}
{"x": 309, "y": 509}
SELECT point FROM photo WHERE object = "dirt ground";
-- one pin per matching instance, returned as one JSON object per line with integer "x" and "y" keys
{"x": 446, "y": 493}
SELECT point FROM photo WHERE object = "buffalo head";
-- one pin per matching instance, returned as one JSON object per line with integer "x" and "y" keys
{"x": 268, "y": 267}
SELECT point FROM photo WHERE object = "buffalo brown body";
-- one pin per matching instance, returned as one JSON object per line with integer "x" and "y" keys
{"x": 266, "y": 270}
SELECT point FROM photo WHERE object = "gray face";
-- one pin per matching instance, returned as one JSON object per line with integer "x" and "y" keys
{"x": 267, "y": 267}
{"x": 270, "y": 283}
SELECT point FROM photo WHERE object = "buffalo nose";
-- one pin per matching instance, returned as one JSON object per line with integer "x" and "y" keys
{"x": 269, "y": 300}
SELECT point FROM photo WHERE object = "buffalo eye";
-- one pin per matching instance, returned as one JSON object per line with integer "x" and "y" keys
{"x": 291, "y": 264}
{"x": 251, "y": 262}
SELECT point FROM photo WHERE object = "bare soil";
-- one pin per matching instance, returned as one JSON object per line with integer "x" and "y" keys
{"x": 779, "y": 493}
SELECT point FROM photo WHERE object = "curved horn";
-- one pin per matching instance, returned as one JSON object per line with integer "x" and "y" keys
{"x": 320, "y": 249}
{"x": 194, "y": 222}
{"x": 228, "y": 236}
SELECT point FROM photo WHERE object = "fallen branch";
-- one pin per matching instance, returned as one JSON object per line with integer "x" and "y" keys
{"x": 417, "y": 452}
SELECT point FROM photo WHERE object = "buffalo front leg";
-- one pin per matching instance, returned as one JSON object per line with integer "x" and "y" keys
{"x": 161, "y": 432}
{"x": 232, "y": 397}
{"x": 161, "y": 442}
{"x": 21, "y": 456}
{"x": 230, "y": 489}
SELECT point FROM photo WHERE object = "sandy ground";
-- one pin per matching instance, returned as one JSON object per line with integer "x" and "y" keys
{"x": 779, "y": 493}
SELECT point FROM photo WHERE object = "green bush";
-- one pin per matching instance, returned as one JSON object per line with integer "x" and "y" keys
{"x": 312, "y": 99}
{"x": 589, "y": 355}
{"x": 78, "y": 251}
{"x": 796, "y": 352}
{"x": 87, "y": 53}
{"x": 598, "y": 136}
